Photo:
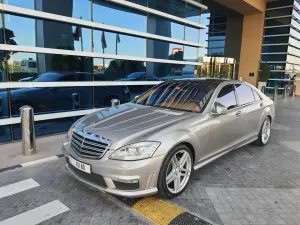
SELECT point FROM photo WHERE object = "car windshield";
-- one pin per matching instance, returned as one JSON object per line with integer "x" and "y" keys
{"x": 187, "y": 96}
{"x": 135, "y": 75}
{"x": 47, "y": 77}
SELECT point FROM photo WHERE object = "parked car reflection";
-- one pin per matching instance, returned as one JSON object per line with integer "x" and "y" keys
{"x": 179, "y": 75}
{"x": 139, "y": 76}
{"x": 45, "y": 99}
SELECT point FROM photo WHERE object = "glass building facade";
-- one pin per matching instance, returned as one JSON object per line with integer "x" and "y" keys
{"x": 280, "y": 48}
{"x": 93, "y": 51}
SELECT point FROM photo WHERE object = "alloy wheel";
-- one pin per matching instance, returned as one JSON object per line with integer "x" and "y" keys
{"x": 266, "y": 131}
{"x": 178, "y": 171}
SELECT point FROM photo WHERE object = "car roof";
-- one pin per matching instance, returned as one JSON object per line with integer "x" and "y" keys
{"x": 214, "y": 82}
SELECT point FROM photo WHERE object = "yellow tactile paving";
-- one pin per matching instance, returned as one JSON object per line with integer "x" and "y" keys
{"x": 156, "y": 210}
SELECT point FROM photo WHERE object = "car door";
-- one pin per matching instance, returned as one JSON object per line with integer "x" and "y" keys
{"x": 251, "y": 108}
{"x": 224, "y": 130}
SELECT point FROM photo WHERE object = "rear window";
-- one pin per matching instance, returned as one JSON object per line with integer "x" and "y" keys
{"x": 244, "y": 93}
{"x": 186, "y": 96}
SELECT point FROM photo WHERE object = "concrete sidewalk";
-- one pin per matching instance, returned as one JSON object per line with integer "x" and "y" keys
{"x": 11, "y": 153}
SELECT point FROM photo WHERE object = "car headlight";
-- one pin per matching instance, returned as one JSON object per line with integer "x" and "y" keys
{"x": 136, "y": 151}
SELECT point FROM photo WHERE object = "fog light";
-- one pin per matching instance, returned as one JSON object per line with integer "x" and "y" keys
{"x": 127, "y": 181}
{"x": 128, "y": 185}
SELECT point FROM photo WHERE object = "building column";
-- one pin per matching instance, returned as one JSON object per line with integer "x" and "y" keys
{"x": 253, "y": 28}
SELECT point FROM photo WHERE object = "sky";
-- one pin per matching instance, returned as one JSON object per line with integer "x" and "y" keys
{"x": 106, "y": 15}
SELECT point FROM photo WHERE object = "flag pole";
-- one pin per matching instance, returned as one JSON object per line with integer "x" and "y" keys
{"x": 81, "y": 40}
{"x": 116, "y": 44}
{"x": 103, "y": 60}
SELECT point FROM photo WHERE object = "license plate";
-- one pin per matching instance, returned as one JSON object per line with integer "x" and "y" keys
{"x": 79, "y": 165}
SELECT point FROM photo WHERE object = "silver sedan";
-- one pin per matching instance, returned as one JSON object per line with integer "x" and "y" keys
{"x": 154, "y": 143}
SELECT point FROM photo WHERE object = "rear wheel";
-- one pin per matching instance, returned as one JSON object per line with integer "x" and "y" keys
{"x": 265, "y": 132}
{"x": 175, "y": 172}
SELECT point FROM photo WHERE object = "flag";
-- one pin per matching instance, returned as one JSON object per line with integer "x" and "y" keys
{"x": 103, "y": 40}
{"x": 118, "y": 38}
{"x": 77, "y": 33}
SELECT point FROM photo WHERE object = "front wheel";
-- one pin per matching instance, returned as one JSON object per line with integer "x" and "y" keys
{"x": 175, "y": 172}
{"x": 265, "y": 132}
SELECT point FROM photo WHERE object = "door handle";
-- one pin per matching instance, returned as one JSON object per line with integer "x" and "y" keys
{"x": 238, "y": 113}
{"x": 261, "y": 104}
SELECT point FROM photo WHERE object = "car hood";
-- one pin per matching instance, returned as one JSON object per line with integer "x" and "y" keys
{"x": 129, "y": 122}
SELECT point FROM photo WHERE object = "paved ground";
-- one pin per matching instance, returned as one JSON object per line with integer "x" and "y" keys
{"x": 251, "y": 185}
{"x": 11, "y": 153}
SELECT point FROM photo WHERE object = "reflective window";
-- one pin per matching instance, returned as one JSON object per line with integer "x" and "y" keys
{"x": 117, "y": 15}
{"x": 164, "y": 50}
{"x": 274, "y": 57}
{"x": 193, "y": 13}
{"x": 216, "y": 44}
{"x": 279, "y": 12}
{"x": 192, "y": 34}
{"x": 274, "y": 66}
{"x": 5, "y": 133}
{"x": 163, "y": 70}
{"x": 47, "y": 127}
{"x": 191, "y": 54}
{"x": 173, "y": 7}
{"x": 274, "y": 4}
{"x": 275, "y": 48}
{"x": 52, "y": 99}
{"x": 244, "y": 93}
{"x": 4, "y": 113}
{"x": 215, "y": 51}
{"x": 27, "y": 66}
{"x": 276, "y": 40}
{"x": 164, "y": 27}
{"x": 277, "y": 30}
{"x": 48, "y": 34}
{"x": 119, "y": 44}
{"x": 293, "y": 51}
{"x": 227, "y": 97}
{"x": 75, "y": 8}
{"x": 278, "y": 21}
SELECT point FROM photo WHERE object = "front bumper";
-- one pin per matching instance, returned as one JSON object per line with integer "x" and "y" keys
{"x": 114, "y": 176}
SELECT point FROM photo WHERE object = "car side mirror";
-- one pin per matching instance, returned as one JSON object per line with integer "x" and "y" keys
{"x": 219, "y": 109}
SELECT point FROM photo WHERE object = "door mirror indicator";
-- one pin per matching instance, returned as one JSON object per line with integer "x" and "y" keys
{"x": 219, "y": 109}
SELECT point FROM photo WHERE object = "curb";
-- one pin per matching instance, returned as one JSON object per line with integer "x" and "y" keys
{"x": 35, "y": 162}
{"x": 161, "y": 212}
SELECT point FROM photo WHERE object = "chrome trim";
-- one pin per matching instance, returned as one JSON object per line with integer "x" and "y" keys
{"x": 158, "y": 13}
{"x": 19, "y": 48}
{"x": 89, "y": 24}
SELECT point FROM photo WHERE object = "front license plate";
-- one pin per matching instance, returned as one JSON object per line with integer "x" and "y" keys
{"x": 79, "y": 165}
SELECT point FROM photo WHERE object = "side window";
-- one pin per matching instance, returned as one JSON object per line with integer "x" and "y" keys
{"x": 227, "y": 97}
{"x": 244, "y": 93}
{"x": 256, "y": 96}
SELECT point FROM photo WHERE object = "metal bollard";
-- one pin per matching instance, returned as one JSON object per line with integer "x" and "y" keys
{"x": 275, "y": 94}
{"x": 284, "y": 93}
{"x": 28, "y": 134}
{"x": 294, "y": 90}
{"x": 115, "y": 102}
{"x": 1, "y": 106}
{"x": 263, "y": 89}
{"x": 76, "y": 100}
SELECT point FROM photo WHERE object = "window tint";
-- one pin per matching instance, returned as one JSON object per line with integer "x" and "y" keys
{"x": 244, "y": 93}
{"x": 226, "y": 97}
{"x": 256, "y": 96}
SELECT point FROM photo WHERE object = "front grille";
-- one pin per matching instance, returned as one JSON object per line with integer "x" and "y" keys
{"x": 88, "y": 147}
{"x": 126, "y": 186}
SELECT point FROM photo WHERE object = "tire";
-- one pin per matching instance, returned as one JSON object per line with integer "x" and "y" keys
{"x": 181, "y": 174}
{"x": 264, "y": 133}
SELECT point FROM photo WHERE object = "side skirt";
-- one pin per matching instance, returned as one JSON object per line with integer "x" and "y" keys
{"x": 219, "y": 154}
